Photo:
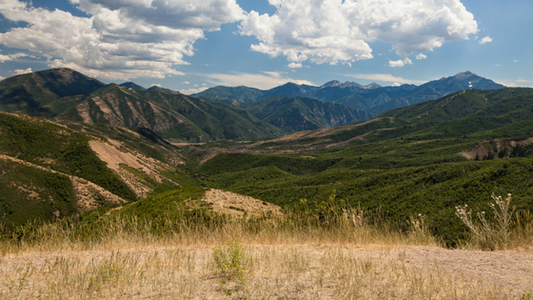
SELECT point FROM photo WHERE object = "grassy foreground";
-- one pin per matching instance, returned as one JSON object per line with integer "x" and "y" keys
{"x": 331, "y": 252}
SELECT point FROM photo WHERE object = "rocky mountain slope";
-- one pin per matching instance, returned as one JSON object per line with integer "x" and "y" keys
{"x": 64, "y": 94}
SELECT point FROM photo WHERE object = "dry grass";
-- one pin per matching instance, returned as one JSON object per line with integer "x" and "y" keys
{"x": 272, "y": 272}
{"x": 323, "y": 254}
{"x": 340, "y": 262}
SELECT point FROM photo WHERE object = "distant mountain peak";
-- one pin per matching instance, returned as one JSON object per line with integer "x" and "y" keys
{"x": 333, "y": 83}
{"x": 372, "y": 86}
{"x": 133, "y": 85}
{"x": 464, "y": 74}
{"x": 336, "y": 83}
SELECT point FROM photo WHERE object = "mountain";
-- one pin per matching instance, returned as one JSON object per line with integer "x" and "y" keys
{"x": 133, "y": 85}
{"x": 373, "y": 97}
{"x": 475, "y": 114}
{"x": 455, "y": 106}
{"x": 172, "y": 116}
{"x": 462, "y": 81}
{"x": 297, "y": 114}
{"x": 35, "y": 93}
{"x": 163, "y": 90}
{"x": 240, "y": 93}
{"x": 289, "y": 90}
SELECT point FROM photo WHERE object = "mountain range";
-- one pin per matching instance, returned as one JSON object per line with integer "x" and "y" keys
{"x": 64, "y": 94}
{"x": 372, "y": 98}
{"x": 99, "y": 147}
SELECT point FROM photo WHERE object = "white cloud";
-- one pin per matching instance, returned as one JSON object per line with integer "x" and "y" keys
{"x": 515, "y": 61}
{"x": 2, "y": 78}
{"x": 121, "y": 39}
{"x": 156, "y": 84}
{"x": 396, "y": 84}
{"x": 293, "y": 65}
{"x": 4, "y": 58}
{"x": 185, "y": 82}
{"x": 396, "y": 63}
{"x": 332, "y": 31}
{"x": 20, "y": 71}
{"x": 421, "y": 56}
{"x": 485, "y": 40}
{"x": 385, "y": 78}
{"x": 193, "y": 91}
{"x": 400, "y": 63}
{"x": 264, "y": 81}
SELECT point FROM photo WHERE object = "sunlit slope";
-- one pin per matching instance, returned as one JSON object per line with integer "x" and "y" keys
{"x": 48, "y": 168}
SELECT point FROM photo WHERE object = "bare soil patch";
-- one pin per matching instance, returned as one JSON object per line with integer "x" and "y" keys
{"x": 235, "y": 204}
{"x": 115, "y": 154}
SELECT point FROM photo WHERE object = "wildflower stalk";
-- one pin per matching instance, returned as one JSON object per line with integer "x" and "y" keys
{"x": 485, "y": 233}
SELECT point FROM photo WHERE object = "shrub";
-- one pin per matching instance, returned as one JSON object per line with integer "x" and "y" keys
{"x": 489, "y": 233}
{"x": 230, "y": 260}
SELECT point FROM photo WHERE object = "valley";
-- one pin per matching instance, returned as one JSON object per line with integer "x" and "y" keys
{"x": 86, "y": 166}
{"x": 134, "y": 142}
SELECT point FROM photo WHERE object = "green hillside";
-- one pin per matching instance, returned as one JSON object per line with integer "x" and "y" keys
{"x": 455, "y": 106}
{"x": 48, "y": 170}
{"x": 426, "y": 158}
{"x": 218, "y": 122}
{"x": 404, "y": 166}
{"x": 34, "y": 93}
{"x": 51, "y": 146}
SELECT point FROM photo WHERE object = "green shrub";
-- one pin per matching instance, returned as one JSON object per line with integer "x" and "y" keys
{"x": 230, "y": 261}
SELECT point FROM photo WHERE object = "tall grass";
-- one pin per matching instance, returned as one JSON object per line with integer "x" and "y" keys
{"x": 323, "y": 251}
{"x": 325, "y": 223}
{"x": 502, "y": 229}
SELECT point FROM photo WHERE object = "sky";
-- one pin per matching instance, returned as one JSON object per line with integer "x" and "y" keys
{"x": 191, "y": 45}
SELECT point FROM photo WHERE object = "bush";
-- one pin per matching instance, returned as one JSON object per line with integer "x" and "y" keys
{"x": 489, "y": 233}
{"x": 230, "y": 260}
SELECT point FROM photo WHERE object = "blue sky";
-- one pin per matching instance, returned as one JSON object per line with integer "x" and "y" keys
{"x": 190, "y": 45}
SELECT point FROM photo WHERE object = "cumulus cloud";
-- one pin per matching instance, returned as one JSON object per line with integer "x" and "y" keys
{"x": 155, "y": 84}
{"x": 332, "y": 31}
{"x": 2, "y": 78}
{"x": 400, "y": 63}
{"x": 485, "y": 40}
{"x": 421, "y": 56}
{"x": 20, "y": 71}
{"x": 293, "y": 65}
{"x": 121, "y": 39}
{"x": 263, "y": 81}
{"x": 386, "y": 78}
{"x": 185, "y": 82}
{"x": 4, "y": 58}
